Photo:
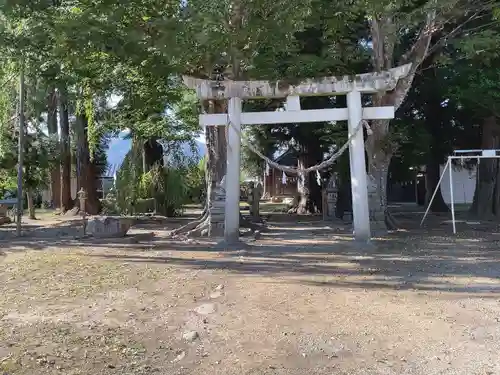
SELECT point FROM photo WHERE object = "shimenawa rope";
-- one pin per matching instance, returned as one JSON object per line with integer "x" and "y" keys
{"x": 302, "y": 171}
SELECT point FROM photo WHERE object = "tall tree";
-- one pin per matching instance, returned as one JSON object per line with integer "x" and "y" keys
{"x": 224, "y": 38}
{"x": 326, "y": 44}
{"x": 65, "y": 153}
{"x": 55, "y": 174}
{"x": 401, "y": 33}
{"x": 469, "y": 83}
{"x": 473, "y": 82}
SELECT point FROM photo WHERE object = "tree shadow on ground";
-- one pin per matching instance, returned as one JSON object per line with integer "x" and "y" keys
{"x": 402, "y": 261}
{"x": 37, "y": 235}
{"x": 312, "y": 253}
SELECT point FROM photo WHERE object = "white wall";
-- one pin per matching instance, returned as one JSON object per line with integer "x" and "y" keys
{"x": 464, "y": 185}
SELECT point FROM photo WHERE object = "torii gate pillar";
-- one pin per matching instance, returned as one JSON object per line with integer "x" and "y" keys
{"x": 357, "y": 159}
{"x": 233, "y": 173}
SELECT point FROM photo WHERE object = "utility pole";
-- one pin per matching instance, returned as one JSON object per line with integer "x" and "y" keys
{"x": 20, "y": 151}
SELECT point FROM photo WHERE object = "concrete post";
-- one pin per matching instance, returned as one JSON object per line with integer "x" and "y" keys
{"x": 232, "y": 214}
{"x": 360, "y": 209}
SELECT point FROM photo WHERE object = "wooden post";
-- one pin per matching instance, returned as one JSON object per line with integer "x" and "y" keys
{"x": 232, "y": 211}
{"x": 360, "y": 209}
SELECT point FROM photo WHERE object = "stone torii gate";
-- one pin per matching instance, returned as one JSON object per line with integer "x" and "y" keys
{"x": 353, "y": 87}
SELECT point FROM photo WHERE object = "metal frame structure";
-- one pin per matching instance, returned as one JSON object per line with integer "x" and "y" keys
{"x": 459, "y": 155}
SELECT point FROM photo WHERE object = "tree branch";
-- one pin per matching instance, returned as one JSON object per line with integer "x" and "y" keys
{"x": 455, "y": 31}
{"x": 420, "y": 48}
{"x": 415, "y": 55}
{"x": 378, "y": 47}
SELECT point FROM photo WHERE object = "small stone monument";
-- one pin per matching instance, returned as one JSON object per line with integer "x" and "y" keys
{"x": 330, "y": 197}
{"x": 82, "y": 196}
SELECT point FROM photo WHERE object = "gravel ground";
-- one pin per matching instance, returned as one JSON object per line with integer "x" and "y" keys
{"x": 303, "y": 299}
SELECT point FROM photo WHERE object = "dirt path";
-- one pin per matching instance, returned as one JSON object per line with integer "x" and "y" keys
{"x": 300, "y": 301}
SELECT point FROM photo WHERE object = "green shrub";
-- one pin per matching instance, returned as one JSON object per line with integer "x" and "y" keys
{"x": 163, "y": 190}
{"x": 195, "y": 181}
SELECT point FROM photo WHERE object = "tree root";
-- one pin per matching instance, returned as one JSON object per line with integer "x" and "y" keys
{"x": 383, "y": 221}
{"x": 189, "y": 226}
{"x": 202, "y": 227}
{"x": 300, "y": 210}
{"x": 193, "y": 228}
{"x": 390, "y": 222}
{"x": 252, "y": 224}
{"x": 296, "y": 207}
{"x": 377, "y": 220}
{"x": 201, "y": 230}
{"x": 75, "y": 211}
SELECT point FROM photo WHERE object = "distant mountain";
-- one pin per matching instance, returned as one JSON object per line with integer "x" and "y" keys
{"x": 199, "y": 150}
{"x": 119, "y": 147}
{"x": 117, "y": 150}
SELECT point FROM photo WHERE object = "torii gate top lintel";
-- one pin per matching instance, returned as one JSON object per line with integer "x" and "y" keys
{"x": 365, "y": 83}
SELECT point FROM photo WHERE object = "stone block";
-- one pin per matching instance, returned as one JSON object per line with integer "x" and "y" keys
{"x": 109, "y": 226}
{"x": 5, "y": 220}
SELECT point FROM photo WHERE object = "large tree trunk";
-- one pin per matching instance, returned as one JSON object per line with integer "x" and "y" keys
{"x": 210, "y": 224}
{"x": 379, "y": 150}
{"x": 145, "y": 167}
{"x": 55, "y": 173}
{"x": 216, "y": 139}
{"x": 66, "y": 199}
{"x": 87, "y": 170}
{"x": 485, "y": 202}
{"x": 309, "y": 201}
{"x": 153, "y": 153}
{"x": 315, "y": 194}
{"x": 31, "y": 204}
{"x": 217, "y": 156}
{"x": 379, "y": 146}
{"x": 303, "y": 190}
{"x": 216, "y": 170}
{"x": 432, "y": 176}
{"x": 379, "y": 154}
